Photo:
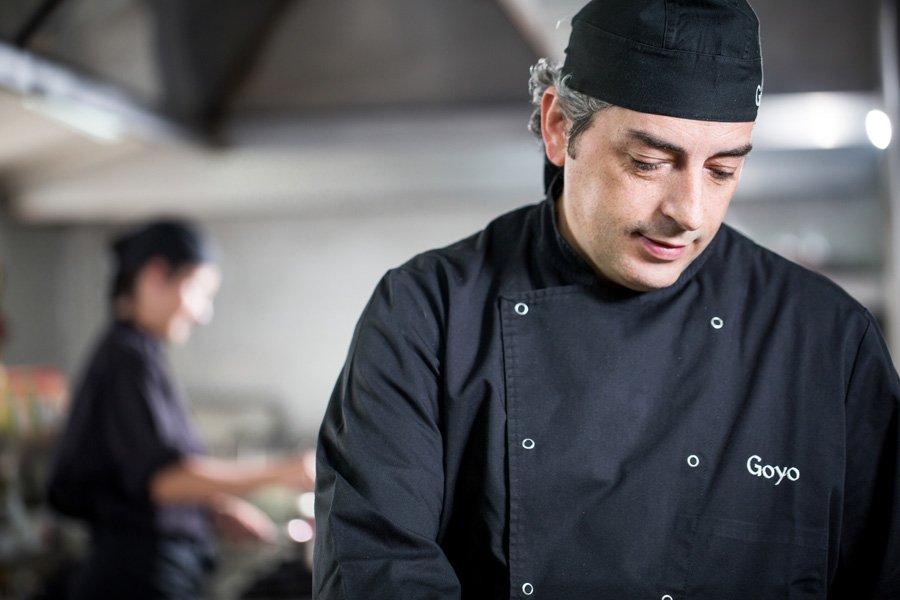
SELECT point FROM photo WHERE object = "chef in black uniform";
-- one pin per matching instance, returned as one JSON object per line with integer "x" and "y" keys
{"x": 129, "y": 462}
{"x": 611, "y": 394}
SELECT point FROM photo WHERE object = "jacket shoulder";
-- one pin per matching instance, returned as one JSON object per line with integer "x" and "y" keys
{"x": 496, "y": 247}
{"x": 792, "y": 285}
{"x": 122, "y": 349}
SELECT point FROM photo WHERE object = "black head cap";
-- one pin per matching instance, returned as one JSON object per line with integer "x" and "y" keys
{"x": 178, "y": 242}
{"x": 694, "y": 59}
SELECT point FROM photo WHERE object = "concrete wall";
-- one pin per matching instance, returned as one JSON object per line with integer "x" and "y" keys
{"x": 33, "y": 295}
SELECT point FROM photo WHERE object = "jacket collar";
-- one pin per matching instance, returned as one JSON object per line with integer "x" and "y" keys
{"x": 127, "y": 328}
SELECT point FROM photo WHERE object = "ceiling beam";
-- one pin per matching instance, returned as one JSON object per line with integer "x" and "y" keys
{"x": 34, "y": 22}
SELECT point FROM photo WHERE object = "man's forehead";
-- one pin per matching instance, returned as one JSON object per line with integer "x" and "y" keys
{"x": 675, "y": 134}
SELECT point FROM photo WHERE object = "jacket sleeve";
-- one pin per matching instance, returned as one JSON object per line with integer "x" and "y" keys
{"x": 869, "y": 560}
{"x": 380, "y": 476}
{"x": 133, "y": 416}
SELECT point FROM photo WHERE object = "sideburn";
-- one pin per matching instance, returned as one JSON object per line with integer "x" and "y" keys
{"x": 574, "y": 133}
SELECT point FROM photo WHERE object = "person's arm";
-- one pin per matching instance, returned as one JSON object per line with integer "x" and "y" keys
{"x": 869, "y": 560}
{"x": 144, "y": 431}
{"x": 238, "y": 520}
{"x": 201, "y": 478}
{"x": 380, "y": 478}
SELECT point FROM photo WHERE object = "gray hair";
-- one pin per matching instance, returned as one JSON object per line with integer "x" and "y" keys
{"x": 578, "y": 108}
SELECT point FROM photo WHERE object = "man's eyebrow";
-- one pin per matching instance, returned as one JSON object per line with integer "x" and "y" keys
{"x": 736, "y": 152}
{"x": 660, "y": 144}
{"x": 655, "y": 142}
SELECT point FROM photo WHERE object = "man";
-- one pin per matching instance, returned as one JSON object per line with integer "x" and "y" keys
{"x": 611, "y": 394}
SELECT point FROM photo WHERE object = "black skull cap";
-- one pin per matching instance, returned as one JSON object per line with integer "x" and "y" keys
{"x": 693, "y": 59}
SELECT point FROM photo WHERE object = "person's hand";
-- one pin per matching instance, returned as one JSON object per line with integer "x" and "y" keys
{"x": 240, "y": 521}
{"x": 299, "y": 471}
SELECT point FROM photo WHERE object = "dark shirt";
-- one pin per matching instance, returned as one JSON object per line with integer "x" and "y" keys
{"x": 508, "y": 426}
{"x": 127, "y": 422}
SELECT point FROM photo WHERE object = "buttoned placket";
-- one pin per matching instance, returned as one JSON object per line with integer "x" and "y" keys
{"x": 528, "y": 444}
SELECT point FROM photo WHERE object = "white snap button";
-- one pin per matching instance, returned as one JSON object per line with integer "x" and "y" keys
{"x": 667, "y": 597}
{"x": 528, "y": 443}
{"x": 717, "y": 323}
{"x": 521, "y": 308}
{"x": 693, "y": 461}
{"x": 528, "y": 589}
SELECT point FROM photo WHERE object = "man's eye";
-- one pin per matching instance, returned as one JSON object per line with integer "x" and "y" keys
{"x": 721, "y": 174}
{"x": 644, "y": 166}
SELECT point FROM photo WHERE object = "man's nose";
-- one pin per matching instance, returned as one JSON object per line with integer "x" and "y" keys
{"x": 684, "y": 201}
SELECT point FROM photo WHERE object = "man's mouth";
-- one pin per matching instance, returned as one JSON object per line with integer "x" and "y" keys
{"x": 661, "y": 249}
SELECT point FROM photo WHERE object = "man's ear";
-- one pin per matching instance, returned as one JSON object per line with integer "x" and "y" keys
{"x": 553, "y": 127}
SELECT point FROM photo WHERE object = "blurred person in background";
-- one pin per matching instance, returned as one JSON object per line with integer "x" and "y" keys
{"x": 129, "y": 462}
{"x": 611, "y": 394}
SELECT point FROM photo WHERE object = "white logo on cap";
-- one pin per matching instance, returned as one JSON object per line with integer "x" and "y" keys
{"x": 758, "y": 94}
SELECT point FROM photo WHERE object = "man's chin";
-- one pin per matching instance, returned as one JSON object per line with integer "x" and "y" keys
{"x": 647, "y": 278}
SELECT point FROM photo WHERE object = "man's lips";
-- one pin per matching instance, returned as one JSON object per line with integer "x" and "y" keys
{"x": 662, "y": 250}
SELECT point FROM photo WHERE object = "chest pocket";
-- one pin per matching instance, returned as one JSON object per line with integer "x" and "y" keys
{"x": 747, "y": 561}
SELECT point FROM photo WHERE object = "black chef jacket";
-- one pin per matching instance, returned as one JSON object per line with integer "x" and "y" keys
{"x": 508, "y": 426}
{"x": 127, "y": 422}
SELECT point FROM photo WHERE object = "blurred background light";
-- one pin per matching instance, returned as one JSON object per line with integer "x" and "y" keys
{"x": 306, "y": 504}
{"x": 300, "y": 531}
{"x": 101, "y": 125}
{"x": 878, "y": 128}
{"x": 816, "y": 120}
